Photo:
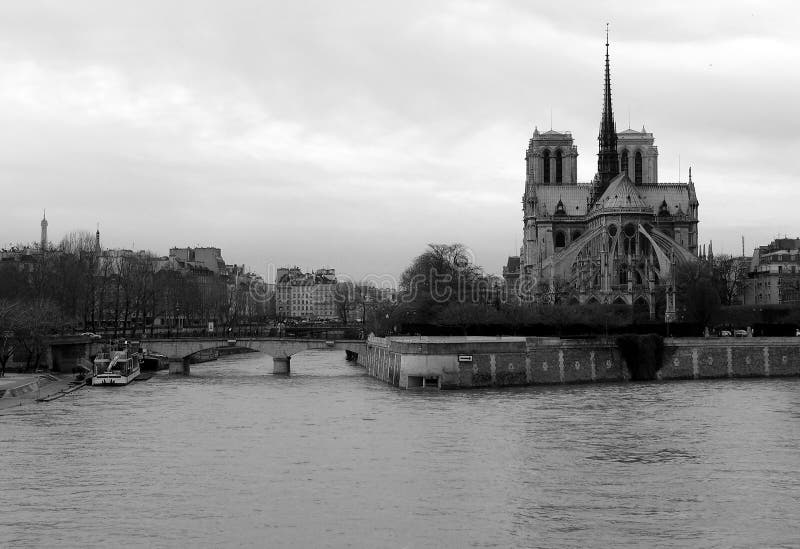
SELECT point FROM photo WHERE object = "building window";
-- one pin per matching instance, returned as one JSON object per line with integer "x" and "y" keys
{"x": 637, "y": 168}
{"x": 558, "y": 166}
{"x": 546, "y": 166}
{"x": 624, "y": 162}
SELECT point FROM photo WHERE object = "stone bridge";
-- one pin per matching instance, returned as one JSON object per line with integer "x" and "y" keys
{"x": 280, "y": 349}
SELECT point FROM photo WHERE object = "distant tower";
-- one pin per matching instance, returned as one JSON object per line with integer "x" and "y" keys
{"x": 607, "y": 156}
{"x": 43, "y": 243}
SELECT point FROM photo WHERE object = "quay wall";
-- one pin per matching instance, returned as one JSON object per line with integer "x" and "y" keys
{"x": 467, "y": 362}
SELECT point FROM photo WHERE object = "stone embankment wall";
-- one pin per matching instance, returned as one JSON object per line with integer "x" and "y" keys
{"x": 452, "y": 363}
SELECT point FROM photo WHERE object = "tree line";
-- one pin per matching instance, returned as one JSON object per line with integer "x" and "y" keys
{"x": 443, "y": 291}
{"x": 75, "y": 287}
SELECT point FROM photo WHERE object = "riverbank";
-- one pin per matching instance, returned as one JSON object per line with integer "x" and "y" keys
{"x": 24, "y": 389}
{"x": 470, "y": 362}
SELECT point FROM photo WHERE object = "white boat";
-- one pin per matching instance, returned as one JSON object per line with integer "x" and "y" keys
{"x": 115, "y": 368}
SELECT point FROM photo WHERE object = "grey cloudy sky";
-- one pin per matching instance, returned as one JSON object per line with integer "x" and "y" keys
{"x": 351, "y": 134}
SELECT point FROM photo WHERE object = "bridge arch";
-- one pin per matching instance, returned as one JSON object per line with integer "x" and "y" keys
{"x": 280, "y": 349}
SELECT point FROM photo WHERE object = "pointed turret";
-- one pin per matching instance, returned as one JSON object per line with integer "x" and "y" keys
{"x": 607, "y": 158}
{"x": 43, "y": 238}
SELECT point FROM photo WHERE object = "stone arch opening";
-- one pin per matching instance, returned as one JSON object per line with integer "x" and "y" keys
{"x": 559, "y": 170}
{"x": 637, "y": 168}
{"x": 622, "y": 273}
{"x": 546, "y": 167}
{"x": 560, "y": 239}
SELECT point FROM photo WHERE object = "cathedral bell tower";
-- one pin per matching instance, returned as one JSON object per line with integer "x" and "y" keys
{"x": 607, "y": 157}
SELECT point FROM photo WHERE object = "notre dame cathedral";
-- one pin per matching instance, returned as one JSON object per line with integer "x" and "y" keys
{"x": 616, "y": 239}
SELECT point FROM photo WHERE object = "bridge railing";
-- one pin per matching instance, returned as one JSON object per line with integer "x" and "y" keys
{"x": 292, "y": 332}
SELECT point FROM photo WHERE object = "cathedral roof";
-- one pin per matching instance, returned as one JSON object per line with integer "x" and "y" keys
{"x": 621, "y": 193}
{"x": 676, "y": 195}
{"x": 572, "y": 197}
{"x": 647, "y": 197}
{"x": 630, "y": 131}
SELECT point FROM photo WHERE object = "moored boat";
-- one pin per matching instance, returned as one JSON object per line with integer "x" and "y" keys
{"x": 115, "y": 368}
{"x": 152, "y": 362}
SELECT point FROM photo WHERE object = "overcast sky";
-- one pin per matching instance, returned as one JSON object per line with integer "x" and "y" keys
{"x": 352, "y": 134}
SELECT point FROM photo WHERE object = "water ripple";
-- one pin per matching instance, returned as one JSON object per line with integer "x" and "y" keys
{"x": 329, "y": 457}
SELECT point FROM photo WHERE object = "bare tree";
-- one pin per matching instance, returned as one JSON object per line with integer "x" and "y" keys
{"x": 697, "y": 298}
{"x": 40, "y": 319}
{"x": 444, "y": 273}
{"x": 728, "y": 275}
{"x": 9, "y": 323}
{"x": 343, "y": 297}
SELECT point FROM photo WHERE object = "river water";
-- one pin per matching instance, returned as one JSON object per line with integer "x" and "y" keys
{"x": 329, "y": 457}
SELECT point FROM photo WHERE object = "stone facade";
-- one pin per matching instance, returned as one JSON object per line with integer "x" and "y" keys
{"x": 308, "y": 296}
{"x": 462, "y": 363}
{"x": 773, "y": 276}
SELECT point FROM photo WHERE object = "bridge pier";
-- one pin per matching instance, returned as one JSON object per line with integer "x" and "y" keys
{"x": 281, "y": 366}
{"x": 181, "y": 367}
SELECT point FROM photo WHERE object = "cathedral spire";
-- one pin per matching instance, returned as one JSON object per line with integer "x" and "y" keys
{"x": 607, "y": 159}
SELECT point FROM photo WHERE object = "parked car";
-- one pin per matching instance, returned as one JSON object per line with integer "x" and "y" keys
{"x": 740, "y": 333}
{"x": 725, "y": 333}
{"x": 91, "y": 335}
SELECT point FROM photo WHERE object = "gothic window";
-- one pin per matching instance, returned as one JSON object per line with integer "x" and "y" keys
{"x": 612, "y": 236}
{"x": 637, "y": 168}
{"x": 629, "y": 240}
{"x": 546, "y": 166}
{"x": 558, "y": 166}
{"x": 644, "y": 246}
{"x": 561, "y": 239}
{"x": 624, "y": 162}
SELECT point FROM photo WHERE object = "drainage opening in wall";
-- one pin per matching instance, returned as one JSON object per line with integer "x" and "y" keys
{"x": 423, "y": 382}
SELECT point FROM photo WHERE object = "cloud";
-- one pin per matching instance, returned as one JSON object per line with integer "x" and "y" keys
{"x": 352, "y": 134}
